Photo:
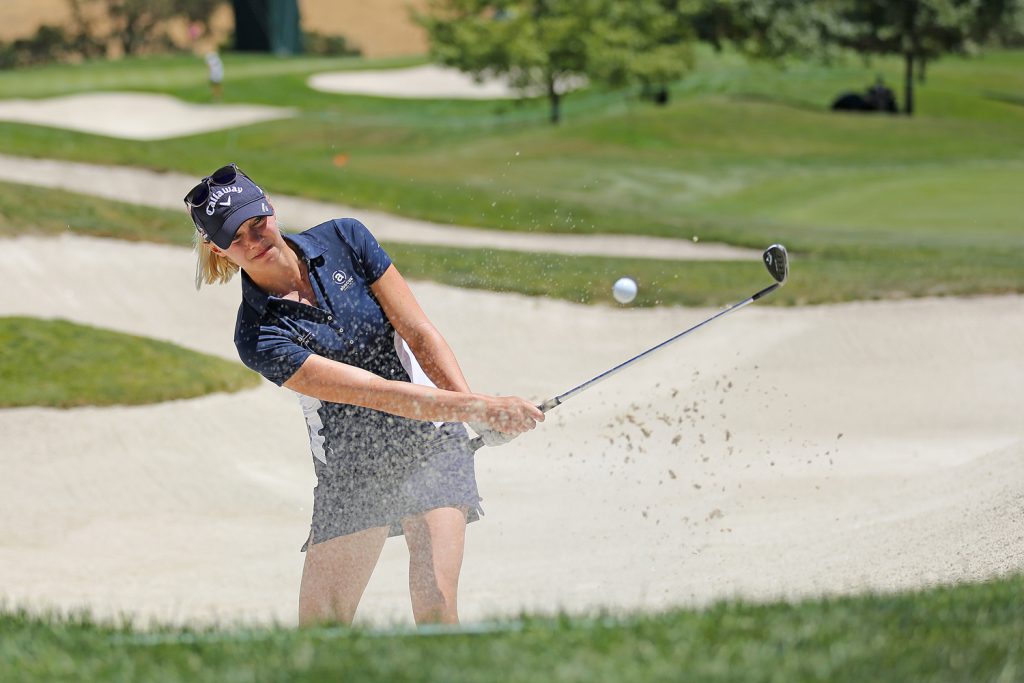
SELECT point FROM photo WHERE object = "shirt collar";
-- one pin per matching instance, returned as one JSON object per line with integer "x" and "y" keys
{"x": 311, "y": 249}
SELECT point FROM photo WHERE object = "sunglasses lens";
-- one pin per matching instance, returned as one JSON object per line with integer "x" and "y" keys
{"x": 224, "y": 175}
{"x": 199, "y": 194}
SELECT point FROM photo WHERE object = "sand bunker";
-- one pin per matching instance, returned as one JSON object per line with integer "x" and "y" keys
{"x": 779, "y": 452}
{"x": 422, "y": 82}
{"x": 135, "y": 116}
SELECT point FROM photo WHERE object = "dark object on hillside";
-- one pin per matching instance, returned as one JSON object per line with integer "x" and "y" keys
{"x": 878, "y": 97}
{"x": 655, "y": 93}
{"x": 267, "y": 26}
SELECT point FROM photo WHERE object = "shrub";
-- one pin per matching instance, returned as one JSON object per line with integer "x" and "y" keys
{"x": 314, "y": 43}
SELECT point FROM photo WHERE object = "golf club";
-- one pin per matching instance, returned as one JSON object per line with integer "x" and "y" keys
{"x": 776, "y": 260}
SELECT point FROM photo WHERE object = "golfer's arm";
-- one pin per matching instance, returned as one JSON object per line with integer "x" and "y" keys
{"x": 336, "y": 382}
{"x": 430, "y": 348}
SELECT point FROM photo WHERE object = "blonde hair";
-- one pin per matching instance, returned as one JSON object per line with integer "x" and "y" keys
{"x": 211, "y": 268}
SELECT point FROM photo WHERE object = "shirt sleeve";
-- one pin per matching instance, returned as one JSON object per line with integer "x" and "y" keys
{"x": 271, "y": 352}
{"x": 369, "y": 254}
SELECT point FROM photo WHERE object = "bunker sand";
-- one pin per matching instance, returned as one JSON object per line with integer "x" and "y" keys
{"x": 427, "y": 81}
{"x": 782, "y": 452}
{"x": 135, "y": 116}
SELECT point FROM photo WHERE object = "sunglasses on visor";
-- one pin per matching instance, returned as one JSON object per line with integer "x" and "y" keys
{"x": 224, "y": 175}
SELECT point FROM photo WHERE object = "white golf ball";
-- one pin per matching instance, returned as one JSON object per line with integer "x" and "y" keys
{"x": 624, "y": 290}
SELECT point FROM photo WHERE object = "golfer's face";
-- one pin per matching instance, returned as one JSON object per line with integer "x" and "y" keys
{"x": 257, "y": 243}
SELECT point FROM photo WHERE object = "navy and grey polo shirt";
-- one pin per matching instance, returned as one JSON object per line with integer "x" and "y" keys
{"x": 275, "y": 336}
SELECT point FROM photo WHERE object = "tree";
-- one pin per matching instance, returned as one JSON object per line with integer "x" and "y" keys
{"x": 645, "y": 42}
{"x": 83, "y": 39}
{"x": 765, "y": 29}
{"x": 536, "y": 44}
{"x": 540, "y": 44}
{"x": 198, "y": 11}
{"x": 135, "y": 23}
{"x": 920, "y": 31}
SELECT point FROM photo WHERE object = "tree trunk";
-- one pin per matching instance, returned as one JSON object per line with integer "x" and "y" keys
{"x": 128, "y": 38}
{"x": 922, "y": 63}
{"x": 556, "y": 102}
{"x": 908, "y": 84}
{"x": 133, "y": 34}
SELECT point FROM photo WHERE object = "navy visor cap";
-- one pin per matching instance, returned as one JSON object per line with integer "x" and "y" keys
{"x": 227, "y": 207}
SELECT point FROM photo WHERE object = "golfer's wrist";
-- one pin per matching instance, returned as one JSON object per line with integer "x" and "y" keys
{"x": 476, "y": 408}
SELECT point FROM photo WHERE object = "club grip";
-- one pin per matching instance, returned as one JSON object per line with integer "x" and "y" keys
{"x": 477, "y": 442}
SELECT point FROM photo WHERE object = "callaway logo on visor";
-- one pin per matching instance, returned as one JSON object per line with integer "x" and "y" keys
{"x": 215, "y": 195}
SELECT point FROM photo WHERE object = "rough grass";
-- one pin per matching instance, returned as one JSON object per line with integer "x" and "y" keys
{"x": 28, "y": 210}
{"x": 854, "y": 272}
{"x": 959, "y": 633}
{"x": 851, "y": 273}
{"x": 734, "y": 136}
{"x": 60, "y": 364}
{"x": 746, "y": 154}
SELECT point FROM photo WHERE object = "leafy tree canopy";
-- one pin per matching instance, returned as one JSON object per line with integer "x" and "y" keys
{"x": 917, "y": 30}
{"x": 645, "y": 41}
{"x": 540, "y": 45}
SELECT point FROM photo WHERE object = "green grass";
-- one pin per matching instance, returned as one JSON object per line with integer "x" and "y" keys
{"x": 30, "y": 210}
{"x": 852, "y": 273}
{"x": 747, "y": 154}
{"x": 158, "y": 73}
{"x": 815, "y": 278}
{"x": 615, "y": 166}
{"x": 56, "y": 363}
{"x": 969, "y": 632}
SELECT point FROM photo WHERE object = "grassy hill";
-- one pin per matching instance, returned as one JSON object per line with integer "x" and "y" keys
{"x": 748, "y": 154}
{"x": 60, "y": 364}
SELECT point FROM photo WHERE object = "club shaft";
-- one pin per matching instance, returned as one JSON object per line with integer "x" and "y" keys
{"x": 562, "y": 398}
{"x": 547, "y": 405}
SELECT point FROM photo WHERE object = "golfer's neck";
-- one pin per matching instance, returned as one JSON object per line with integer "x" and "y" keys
{"x": 284, "y": 276}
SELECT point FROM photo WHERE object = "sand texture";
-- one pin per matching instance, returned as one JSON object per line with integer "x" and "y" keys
{"x": 135, "y": 116}
{"x": 778, "y": 452}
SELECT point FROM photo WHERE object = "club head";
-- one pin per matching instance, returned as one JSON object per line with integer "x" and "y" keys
{"x": 777, "y": 262}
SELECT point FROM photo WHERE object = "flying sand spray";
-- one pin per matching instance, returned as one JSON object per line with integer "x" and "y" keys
{"x": 775, "y": 259}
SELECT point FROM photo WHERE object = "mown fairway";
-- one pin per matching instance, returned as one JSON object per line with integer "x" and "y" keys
{"x": 850, "y": 273}
{"x": 870, "y": 206}
{"x": 738, "y": 144}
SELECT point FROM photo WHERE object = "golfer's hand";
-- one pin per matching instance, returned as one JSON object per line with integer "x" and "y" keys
{"x": 491, "y": 437}
{"x": 505, "y": 418}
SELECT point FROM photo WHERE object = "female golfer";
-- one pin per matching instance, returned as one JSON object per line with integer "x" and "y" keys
{"x": 326, "y": 314}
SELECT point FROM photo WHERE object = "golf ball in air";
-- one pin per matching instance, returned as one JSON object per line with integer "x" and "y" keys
{"x": 624, "y": 290}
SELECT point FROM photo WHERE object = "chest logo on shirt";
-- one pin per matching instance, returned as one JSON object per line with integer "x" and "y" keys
{"x": 342, "y": 280}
